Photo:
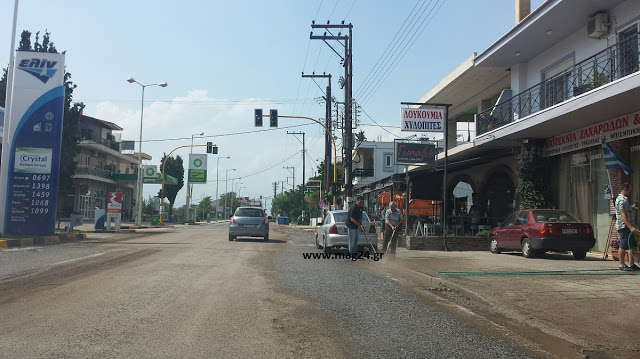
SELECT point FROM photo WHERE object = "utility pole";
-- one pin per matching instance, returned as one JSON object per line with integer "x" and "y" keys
{"x": 275, "y": 189}
{"x": 281, "y": 187}
{"x": 347, "y": 62}
{"x": 327, "y": 136}
{"x": 293, "y": 169}
{"x": 303, "y": 166}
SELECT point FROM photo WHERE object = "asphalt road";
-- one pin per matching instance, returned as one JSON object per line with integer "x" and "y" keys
{"x": 192, "y": 293}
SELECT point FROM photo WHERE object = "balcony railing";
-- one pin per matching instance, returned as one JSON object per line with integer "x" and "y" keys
{"x": 114, "y": 145}
{"x": 94, "y": 171}
{"x": 606, "y": 66}
{"x": 363, "y": 172}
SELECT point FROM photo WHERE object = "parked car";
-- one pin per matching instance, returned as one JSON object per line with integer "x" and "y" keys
{"x": 249, "y": 222}
{"x": 332, "y": 232}
{"x": 540, "y": 230}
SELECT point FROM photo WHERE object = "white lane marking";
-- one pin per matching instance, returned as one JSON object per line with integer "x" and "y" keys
{"x": 80, "y": 258}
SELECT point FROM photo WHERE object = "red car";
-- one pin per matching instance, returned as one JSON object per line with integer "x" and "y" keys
{"x": 537, "y": 231}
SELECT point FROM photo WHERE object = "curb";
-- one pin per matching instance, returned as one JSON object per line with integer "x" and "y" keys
{"x": 40, "y": 240}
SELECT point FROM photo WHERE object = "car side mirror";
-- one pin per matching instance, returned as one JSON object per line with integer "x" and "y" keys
{"x": 499, "y": 224}
{"x": 319, "y": 223}
{"x": 231, "y": 216}
{"x": 269, "y": 217}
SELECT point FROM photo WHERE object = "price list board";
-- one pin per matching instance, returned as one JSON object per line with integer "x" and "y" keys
{"x": 33, "y": 178}
{"x": 31, "y": 154}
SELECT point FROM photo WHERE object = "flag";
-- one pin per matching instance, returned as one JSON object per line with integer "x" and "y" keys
{"x": 612, "y": 160}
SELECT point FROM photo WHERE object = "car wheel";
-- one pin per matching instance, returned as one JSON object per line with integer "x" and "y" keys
{"x": 318, "y": 243}
{"x": 266, "y": 238}
{"x": 231, "y": 237}
{"x": 527, "y": 250}
{"x": 493, "y": 245}
{"x": 579, "y": 253}
{"x": 325, "y": 248}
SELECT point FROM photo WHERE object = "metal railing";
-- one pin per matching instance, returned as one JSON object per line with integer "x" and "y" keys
{"x": 93, "y": 171}
{"x": 114, "y": 145}
{"x": 363, "y": 172}
{"x": 606, "y": 66}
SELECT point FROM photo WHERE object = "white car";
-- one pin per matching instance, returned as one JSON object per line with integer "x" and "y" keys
{"x": 332, "y": 232}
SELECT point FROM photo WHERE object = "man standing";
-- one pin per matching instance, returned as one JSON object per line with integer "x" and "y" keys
{"x": 393, "y": 223}
{"x": 353, "y": 223}
{"x": 625, "y": 227}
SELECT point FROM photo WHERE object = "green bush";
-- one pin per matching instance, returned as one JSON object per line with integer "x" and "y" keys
{"x": 482, "y": 234}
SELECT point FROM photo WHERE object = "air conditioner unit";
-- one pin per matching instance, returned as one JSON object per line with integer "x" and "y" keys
{"x": 598, "y": 25}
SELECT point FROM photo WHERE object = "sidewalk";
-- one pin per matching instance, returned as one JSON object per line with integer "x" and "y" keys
{"x": 590, "y": 304}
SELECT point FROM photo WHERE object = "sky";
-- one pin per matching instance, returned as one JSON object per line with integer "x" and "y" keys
{"x": 223, "y": 59}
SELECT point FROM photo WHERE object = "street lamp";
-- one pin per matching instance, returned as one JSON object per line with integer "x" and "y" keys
{"x": 218, "y": 180}
{"x": 240, "y": 189}
{"x": 226, "y": 181}
{"x": 140, "y": 174}
{"x": 190, "y": 186}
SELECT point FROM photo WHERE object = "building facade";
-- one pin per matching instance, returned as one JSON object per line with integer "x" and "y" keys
{"x": 564, "y": 77}
{"x": 100, "y": 166}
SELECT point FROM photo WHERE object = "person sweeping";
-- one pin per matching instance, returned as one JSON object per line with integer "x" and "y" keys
{"x": 392, "y": 227}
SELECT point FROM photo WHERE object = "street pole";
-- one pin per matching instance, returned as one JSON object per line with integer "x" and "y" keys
{"x": 226, "y": 182}
{"x": 140, "y": 172}
{"x": 327, "y": 135}
{"x": 446, "y": 155}
{"x": 189, "y": 185}
{"x": 303, "y": 167}
{"x": 218, "y": 180}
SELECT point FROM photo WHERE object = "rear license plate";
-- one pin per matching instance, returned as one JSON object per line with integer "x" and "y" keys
{"x": 569, "y": 231}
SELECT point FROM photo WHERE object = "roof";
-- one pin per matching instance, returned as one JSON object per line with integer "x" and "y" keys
{"x": 543, "y": 28}
{"x": 467, "y": 85}
{"x": 105, "y": 124}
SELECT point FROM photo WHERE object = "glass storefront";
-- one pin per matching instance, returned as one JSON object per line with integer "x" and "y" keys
{"x": 580, "y": 182}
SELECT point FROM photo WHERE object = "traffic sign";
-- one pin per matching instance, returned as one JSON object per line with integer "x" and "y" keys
{"x": 321, "y": 204}
{"x": 308, "y": 192}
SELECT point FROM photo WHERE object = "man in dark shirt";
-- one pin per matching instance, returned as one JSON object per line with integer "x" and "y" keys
{"x": 353, "y": 223}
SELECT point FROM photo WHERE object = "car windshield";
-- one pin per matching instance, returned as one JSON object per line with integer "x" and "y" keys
{"x": 249, "y": 212}
{"x": 341, "y": 217}
{"x": 545, "y": 216}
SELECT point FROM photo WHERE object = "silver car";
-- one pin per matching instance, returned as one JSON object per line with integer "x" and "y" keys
{"x": 332, "y": 232}
{"x": 249, "y": 222}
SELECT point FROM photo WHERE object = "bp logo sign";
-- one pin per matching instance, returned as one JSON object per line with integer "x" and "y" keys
{"x": 197, "y": 168}
{"x": 149, "y": 173}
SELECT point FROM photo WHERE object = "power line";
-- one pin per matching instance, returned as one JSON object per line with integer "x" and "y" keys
{"x": 403, "y": 52}
{"x": 374, "y": 121}
{"x": 227, "y": 134}
{"x": 364, "y": 83}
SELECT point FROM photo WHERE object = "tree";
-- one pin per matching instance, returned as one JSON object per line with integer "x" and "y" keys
{"x": 174, "y": 168}
{"x": 532, "y": 172}
{"x": 205, "y": 206}
{"x": 360, "y": 137}
{"x": 288, "y": 204}
{"x": 72, "y": 112}
{"x": 230, "y": 200}
{"x": 148, "y": 206}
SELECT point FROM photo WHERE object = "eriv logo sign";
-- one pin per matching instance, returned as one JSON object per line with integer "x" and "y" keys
{"x": 42, "y": 69}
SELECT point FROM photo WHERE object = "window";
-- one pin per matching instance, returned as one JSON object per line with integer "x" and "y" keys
{"x": 556, "y": 84}
{"x": 509, "y": 221}
{"x": 628, "y": 50}
{"x": 523, "y": 218}
{"x": 387, "y": 160}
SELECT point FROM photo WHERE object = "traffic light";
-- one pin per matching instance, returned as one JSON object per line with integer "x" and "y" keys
{"x": 211, "y": 148}
{"x": 273, "y": 118}
{"x": 258, "y": 112}
{"x": 335, "y": 188}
